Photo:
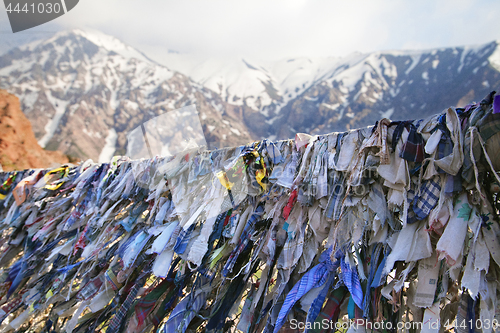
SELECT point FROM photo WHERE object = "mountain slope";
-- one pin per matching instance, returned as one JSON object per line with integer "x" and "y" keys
{"x": 83, "y": 92}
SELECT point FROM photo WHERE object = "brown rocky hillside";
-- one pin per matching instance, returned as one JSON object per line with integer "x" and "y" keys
{"x": 19, "y": 148}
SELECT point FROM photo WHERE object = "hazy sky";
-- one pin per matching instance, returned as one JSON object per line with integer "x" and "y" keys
{"x": 271, "y": 29}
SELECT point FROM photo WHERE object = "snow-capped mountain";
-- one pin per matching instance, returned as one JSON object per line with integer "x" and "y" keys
{"x": 320, "y": 95}
{"x": 84, "y": 91}
{"x": 396, "y": 85}
{"x": 257, "y": 89}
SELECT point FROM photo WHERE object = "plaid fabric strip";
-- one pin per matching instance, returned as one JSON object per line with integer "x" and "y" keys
{"x": 351, "y": 281}
{"x": 335, "y": 202}
{"x": 117, "y": 320}
{"x": 80, "y": 243}
{"x": 291, "y": 201}
{"x": 14, "y": 303}
{"x": 112, "y": 279}
{"x": 19, "y": 277}
{"x": 410, "y": 196}
{"x": 196, "y": 306}
{"x": 165, "y": 306}
{"x": 377, "y": 250}
{"x": 413, "y": 149}
{"x": 273, "y": 152}
{"x": 184, "y": 312}
{"x": 338, "y": 145}
{"x": 294, "y": 245}
{"x": 331, "y": 310}
{"x": 314, "y": 278}
{"x": 183, "y": 239}
{"x": 91, "y": 288}
{"x": 171, "y": 295}
{"x": 175, "y": 318}
{"x": 244, "y": 239}
{"x": 144, "y": 307}
{"x": 453, "y": 184}
{"x": 445, "y": 146}
{"x": 14, "y": 270}
{"x": 398, "y": 132}
{"x": 4, "y": 287}
{"x": 428, "y": 197}
{"x": 489, "y": 128}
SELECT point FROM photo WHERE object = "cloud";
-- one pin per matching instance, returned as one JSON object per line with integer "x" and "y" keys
{"x": 272, "y": 29}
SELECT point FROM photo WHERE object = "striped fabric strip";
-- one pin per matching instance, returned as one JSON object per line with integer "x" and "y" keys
{"x": 315, "y": 277}
{"x": 351, "y": 281}
{"x": 244, "y": 239}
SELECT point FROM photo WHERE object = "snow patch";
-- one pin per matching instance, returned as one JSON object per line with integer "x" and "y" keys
{"x": 131, "y": 105}
{"x": 29, "y": 100}
{"x": 235, "y": 131}
{"x": 494, "y": 58}
{"x": 389, "y": 69}
{"x": 52, "y": 124}
{"x": 97, "y": 71}
{"x": 92, "y": 134}
{"x": 109, "y": 148}
{"x": 331, "y": 106}
{"x": 387, "y": 114}
{"x": 425, "y": 76}
{"x": 435, "y": 63}
{"x": 361, "y": 91}
{"x": 462, "y": 58}
{"x": 415, "y": 60}
{"x": 73, "y": 108}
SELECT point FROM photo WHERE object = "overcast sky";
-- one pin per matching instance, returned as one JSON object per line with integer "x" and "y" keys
{"x": 273, "y": 29}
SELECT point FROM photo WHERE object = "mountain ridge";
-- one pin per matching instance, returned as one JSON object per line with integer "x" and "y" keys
{"x": 83, "y": 98}
{"x": 286, "y": 86}
{"x": 83, "y": 91}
